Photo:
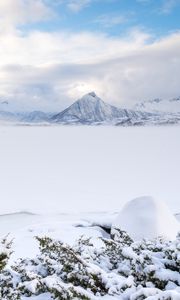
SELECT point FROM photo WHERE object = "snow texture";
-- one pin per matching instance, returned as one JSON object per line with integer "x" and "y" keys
{"x": 87, "y": 169}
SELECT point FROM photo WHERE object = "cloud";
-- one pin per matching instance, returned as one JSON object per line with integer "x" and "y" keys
{"x": 111, "y": 20}
{"x": 168, "y": 6}
{"x": 38, "y": 47}
{"x": 20, "y": 12}
{"x": 163, "y": 7}
{"x": 77, "y": 5}
{"x": 49, "y": 71}
{"x": 61, "y": 61}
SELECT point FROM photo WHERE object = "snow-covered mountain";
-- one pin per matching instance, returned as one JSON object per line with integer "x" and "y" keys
{"x": 6, "y": 116}
{"x": 168, "y": 110}
{"x": 35, "y": 117}
{"x": 90, "y": 109}
{"x": 160, "y": 105}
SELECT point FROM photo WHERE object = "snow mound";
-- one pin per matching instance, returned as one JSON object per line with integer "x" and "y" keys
{"x": 146, "y": 217}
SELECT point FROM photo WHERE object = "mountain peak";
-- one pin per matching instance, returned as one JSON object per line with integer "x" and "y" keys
{"x": 90, "y": 101}
{"x": 90, "y": 108}
{"x": 89, "y": 97}
{"x": 93, "y": 94}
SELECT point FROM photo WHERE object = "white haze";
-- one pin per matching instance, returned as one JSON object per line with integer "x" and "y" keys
{"x": 73, "y": 169}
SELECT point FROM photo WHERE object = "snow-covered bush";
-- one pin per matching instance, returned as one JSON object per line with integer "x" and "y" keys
{"x": 5, "y": 252}
{"x": 59, "y": 268}
{"x": 7, "y": 276}
{"x": 116, "y": 266}
{"x": 96, "y": 267}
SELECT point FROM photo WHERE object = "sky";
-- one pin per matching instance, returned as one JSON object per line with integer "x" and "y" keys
{"x": 55, "y": 51}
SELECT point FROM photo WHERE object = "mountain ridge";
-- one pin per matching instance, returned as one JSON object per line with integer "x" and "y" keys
{"x": 171, "y": 105}
{"x": 92, "y": 110}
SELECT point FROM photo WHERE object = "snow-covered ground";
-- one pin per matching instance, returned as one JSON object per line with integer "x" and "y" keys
{"x": 75, "y": 180}
{"x": 23, "y": 227}
{"x": 56, "y": 170}
{"x": 68, "y": 228}
{"x": 73, "y": 169}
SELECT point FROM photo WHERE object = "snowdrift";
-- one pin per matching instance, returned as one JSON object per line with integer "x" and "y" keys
{"x": 146, "y": 217}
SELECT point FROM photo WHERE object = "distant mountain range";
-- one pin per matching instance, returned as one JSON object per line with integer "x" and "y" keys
{"x": 91, "y": 110}
{"x": 160, "y": 105}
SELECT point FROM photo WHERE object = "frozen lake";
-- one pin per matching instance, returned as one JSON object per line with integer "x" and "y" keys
{"x": 76, "y": 169}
